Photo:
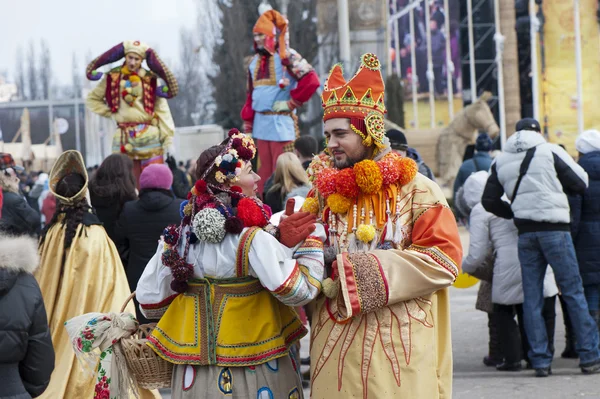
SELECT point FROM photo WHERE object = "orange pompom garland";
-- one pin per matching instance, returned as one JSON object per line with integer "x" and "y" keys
{"x": 311, "y": 205}
{"x": 338, "y": 203}
{"x": 345, "y": 183}
{"x": 368, "y": 176}
{"x": 325, "y": 182}
{"x": 408, "y": 170}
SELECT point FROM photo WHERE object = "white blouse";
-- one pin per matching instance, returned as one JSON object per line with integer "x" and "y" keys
{"x": 270, "y": 262}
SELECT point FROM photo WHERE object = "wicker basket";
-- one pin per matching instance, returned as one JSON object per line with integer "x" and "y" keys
{"x": 150, "y": 371}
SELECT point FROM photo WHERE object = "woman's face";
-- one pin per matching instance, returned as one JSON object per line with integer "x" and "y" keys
{"x": 248, "y": 180}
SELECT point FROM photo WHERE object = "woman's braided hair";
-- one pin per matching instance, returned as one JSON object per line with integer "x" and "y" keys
{"x": 67, "y": 187}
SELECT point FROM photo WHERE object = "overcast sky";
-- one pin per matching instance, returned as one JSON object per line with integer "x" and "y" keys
{"x": 79, "y": 26}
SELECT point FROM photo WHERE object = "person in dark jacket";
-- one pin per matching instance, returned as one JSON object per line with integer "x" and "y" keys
{"x": 17, "y": 216}
{"x": 181, "y": 184}
{"x": 585, "y": 227}
{"x": 399, "y": 145}
{"x": 111, "y": 187}
{"x": 26, "y": 352}
{"x": 142, "y": 223}
{"x": 481, "y": 160}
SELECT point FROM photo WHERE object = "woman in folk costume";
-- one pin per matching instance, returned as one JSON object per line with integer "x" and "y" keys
{"x": 130, "y": 95}
{"x": 383, "y": 327}
{"x": 80, "y": 272}
{"x": 225, "y": 286}
{"x": 279, "y": 81}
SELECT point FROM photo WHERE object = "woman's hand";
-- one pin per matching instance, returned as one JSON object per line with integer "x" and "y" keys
{"x": 295, "y": 227}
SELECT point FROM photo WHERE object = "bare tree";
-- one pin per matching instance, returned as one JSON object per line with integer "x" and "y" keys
{"x": 20, "y": 77}
{"x": 32, "y": 73}
{"x": 45, "y": 69}
{"x": 187, "y": 102}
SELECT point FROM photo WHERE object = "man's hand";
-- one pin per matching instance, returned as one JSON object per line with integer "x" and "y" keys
{"x": 281, "y": 106}
{"x": 295, "y": 227}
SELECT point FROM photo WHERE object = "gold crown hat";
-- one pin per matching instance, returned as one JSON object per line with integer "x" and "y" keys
{"x": 360, "y": 99}
{"x": 70, "y": 161}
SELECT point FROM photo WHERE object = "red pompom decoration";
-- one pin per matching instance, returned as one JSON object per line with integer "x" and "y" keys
{"x": 325, "y": 182}
{"x": 250, "y": 213}
{"x": 123, "y": 151}
{"x": 232, "y": 132}
{"x": 189, "y": 196}
{"x": 245, "y": 153}
{"x": 234, "y": 225}
{"x": 179, "y": 286}
{"x": 236, "y": 143}
{"x": 345, "y": 183}
{"x": 236, "y": 189}
{"x": 183, "y": 272}
{"x": 200, "y": 186}
{"x": 285, "y": 62}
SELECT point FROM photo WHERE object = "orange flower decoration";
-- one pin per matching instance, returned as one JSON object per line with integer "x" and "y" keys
{"x": 325, "y": 182}
{"x": 368, "y": 176}
{"x": 345, "y": 183}
{"x": 338, "y": 203}
{"x": 408, "y": 170}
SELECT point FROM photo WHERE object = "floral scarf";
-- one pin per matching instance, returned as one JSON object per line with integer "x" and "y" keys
{"x": 103, "y": 331}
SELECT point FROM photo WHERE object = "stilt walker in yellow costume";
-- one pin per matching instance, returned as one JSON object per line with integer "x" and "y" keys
{"x": 382, "y": 329}
{"x": 130, "y": 95}
{"x": 80, "y": 272}
{"x": 224, "y": 287}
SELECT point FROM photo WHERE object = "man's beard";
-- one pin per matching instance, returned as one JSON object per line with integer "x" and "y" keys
{"x": 351, "y": 161}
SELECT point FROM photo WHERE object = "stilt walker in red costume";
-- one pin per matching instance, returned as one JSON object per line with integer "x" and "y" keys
{"x": 279, "y": 81}
{"x": 130, "y": 95}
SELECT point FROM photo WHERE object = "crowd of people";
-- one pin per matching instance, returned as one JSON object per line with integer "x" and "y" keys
{"x": 531, "y": 216}
{"x": 229, "y": 268}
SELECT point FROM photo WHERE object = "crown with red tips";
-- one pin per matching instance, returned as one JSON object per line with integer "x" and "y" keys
{"x": 358, "y": 97}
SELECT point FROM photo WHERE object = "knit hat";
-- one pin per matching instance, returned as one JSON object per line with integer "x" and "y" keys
{"x": 588, "y": 141}
{"x": 156, "y": 176}
{"x": 397, "y": 139}
{"x": 528, "y": 124}
{"x": 483, "y": 143}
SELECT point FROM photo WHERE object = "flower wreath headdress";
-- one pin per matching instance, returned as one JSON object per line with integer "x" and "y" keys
{"x": 214, "y": 210}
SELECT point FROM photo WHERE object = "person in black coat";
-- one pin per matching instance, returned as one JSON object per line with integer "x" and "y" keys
{"x": 17, "y": 216}
{"x": 112, "y": 185}
{"x": 143, "y": 221}
{"x": 26, "y": 352}
{"x": 585, "y": 226}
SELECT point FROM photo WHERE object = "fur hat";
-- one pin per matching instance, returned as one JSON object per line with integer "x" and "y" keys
{"x": 156, "y": 176}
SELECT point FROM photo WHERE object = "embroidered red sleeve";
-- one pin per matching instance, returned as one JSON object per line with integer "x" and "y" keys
{"x": 307, "y": 86}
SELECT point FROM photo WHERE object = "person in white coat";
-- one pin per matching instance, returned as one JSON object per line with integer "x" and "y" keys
{"x": 492, "y": 234}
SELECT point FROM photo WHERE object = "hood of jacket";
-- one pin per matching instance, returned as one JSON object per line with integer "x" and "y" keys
{"x": 591, "y": 163}
{"x": 473, "y": 188}
{"x": 523, "y": 140}
{"x": 155, "y": 200}
{"x": 17, "y": 254}
{"x": 414, "y": 154}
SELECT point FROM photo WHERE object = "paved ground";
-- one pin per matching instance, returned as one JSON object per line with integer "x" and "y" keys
{"x": 473, "y": 380}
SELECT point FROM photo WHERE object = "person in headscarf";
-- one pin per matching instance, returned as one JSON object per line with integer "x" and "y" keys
{"x": 223, "y": 287}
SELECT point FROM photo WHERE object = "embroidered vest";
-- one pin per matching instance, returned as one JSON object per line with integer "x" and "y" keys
{"x": 227, "y": 322}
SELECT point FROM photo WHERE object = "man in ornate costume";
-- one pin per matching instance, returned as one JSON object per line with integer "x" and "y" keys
{"x": 279, "y": 81}
{"x": 383, "y": 327}
{"x": 130, "y": 95}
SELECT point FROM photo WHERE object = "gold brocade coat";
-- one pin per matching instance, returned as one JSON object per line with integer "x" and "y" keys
{"x": 387, "y": 333}
{"x": 91, "y": 280}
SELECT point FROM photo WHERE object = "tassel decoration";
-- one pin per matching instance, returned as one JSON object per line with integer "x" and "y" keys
{"x": 389, "y": 231}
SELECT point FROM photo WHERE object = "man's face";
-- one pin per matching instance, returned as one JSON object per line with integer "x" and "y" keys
{"x": 259, "y": 39}
{"x": 344, "y": 145}
{"x": 10, "y": 179}
{"x": 133, "y": 61}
